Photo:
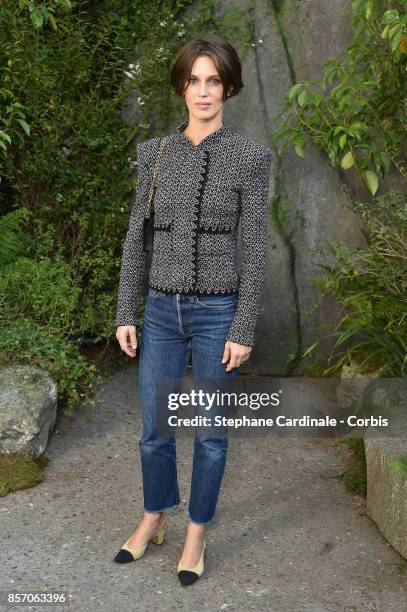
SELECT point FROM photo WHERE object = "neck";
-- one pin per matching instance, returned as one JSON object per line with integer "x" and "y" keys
{"x": 198, "y": 129}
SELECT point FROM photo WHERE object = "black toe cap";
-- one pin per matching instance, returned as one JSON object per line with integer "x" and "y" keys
{"x": 123, "y": 556}
{"x": 186, "y": 577}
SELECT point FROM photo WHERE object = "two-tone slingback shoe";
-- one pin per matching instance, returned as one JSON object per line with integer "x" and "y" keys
{"x": 129, "y": 553}
{"x": 189, "y": 575}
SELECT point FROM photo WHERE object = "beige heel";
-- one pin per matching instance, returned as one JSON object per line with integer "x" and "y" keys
{"x": 160, "y": 536}
{"x": 128, "y": 553}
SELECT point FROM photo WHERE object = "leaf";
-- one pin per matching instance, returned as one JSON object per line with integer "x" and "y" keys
{"x": 394, "y": 29}
{"x": 385, "y": 32}
{"x": 395, "y": 41}
{"x": 390, "y": 16}
{"x": 356, "y": 125}
{"x": 339, "y": 128}
{"x": 294, "y": 90}
{"x": 343, "y": 140}
{"x": 38, "y": 19}
{"x": 347, "y": 160}
{"x": 5, "y": 136}
{"x": 299, "y": 148}
{"x": 318, "y": 97}
{"x": 371, "y": 180}
{"x": 403, "y": 44}
{"x": 302, "y": 97}
{"x": 24, "y": 125}
{"x": 52, "y": 21}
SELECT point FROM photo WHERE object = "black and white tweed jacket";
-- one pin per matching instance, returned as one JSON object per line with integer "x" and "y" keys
{"x": 202, "y": 191}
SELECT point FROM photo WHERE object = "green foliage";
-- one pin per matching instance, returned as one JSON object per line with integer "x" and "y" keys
{"x": 81, "y": 82}
{"x": 14, "y": 240}
{"x": 398, "y": 467}
{"x": 356, "y": 477}
{"x": 357, "y": 112}
{"x": 372, "y": 289}
{"x": 44, "y": 12}
{"x": 42, "y": 289}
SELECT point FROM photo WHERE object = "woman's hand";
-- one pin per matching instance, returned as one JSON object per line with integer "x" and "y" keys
{"x": 236, "y": 354}
{"x": 127, "y": 337}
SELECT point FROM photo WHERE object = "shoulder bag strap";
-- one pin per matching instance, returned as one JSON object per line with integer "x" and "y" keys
{"x": 152, "y": 186}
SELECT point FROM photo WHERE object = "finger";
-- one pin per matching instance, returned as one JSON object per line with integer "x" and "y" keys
{"x": 126, "y": 346}
{"x": 226, "y": 353}
{"x": 130, "y": 343}
{"x": 133, "y": 338}
{"x": 232, "y": 363}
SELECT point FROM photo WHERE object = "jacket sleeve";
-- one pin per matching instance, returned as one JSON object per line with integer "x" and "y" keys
{"x": 133, "y": 259}
{"x": 253, "y": 219}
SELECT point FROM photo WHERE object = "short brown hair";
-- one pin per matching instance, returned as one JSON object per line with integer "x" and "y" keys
{"x": 224, "y": 57}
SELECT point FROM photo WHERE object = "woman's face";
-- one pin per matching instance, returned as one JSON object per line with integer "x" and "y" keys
{"x": 204, "y": 86}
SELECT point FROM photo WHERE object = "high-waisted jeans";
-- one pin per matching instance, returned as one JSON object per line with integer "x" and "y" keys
{"x": 174, "y": 325}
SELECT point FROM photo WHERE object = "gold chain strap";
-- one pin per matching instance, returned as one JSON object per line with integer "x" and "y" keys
{"x": 156, "y": 168}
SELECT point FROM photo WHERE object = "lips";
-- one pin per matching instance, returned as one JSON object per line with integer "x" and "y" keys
{"x": 203, "y": 105}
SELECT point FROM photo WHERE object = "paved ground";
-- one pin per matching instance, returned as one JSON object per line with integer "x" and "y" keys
{"x": 288, "y": 535}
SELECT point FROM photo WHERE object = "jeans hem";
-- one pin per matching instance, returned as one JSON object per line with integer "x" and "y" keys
{"x": 199, "y": 522}
{"x": 162, "y": 510}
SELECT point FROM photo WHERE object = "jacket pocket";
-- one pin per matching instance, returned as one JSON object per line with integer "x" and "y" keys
{"x": 230, "y": 200}
{"x": 163, "y": 238}
{"x": 216, "y": 241}
{"x": 221, "y": 206}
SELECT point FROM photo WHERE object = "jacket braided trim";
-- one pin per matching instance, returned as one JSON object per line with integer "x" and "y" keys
{"x": 203, "y": 179}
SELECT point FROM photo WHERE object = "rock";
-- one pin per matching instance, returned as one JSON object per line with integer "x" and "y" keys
{"x": 387, "y": 490}
{"x": 354, "y": 382}
{"x": 28, "y": 408}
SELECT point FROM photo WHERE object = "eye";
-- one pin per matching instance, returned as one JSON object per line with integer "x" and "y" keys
{"x": 213, "y": 80}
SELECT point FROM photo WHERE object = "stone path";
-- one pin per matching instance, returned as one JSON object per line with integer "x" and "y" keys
{"x": 288, "y": 535}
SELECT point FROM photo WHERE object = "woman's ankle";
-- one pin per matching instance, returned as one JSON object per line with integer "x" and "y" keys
{"x": 153, "y": 516}
{"x": 196, "y": 529}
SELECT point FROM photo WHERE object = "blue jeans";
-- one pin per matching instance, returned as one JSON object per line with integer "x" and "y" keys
{"x": 174, "y": 325}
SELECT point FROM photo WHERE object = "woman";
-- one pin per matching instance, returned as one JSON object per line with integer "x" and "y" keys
{"x": 209, "y": 178}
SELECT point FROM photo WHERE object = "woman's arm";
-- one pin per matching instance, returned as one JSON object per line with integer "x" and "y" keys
{"x": 133, "y": 259}
{"x": 253, "y": 219}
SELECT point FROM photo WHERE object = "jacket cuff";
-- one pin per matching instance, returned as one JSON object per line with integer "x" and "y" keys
{"x": 241, "y": 337}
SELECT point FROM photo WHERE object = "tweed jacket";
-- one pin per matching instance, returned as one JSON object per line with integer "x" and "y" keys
{"x": 202, "y": 192}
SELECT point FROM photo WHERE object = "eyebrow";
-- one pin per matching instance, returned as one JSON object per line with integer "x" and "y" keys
{"x": 209, "y": 77}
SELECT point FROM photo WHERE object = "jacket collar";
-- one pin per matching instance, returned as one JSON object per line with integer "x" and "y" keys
{"x": 212, "y": 139}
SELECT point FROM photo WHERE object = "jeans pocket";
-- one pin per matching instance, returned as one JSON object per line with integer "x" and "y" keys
{"x": 217, "y": 301}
